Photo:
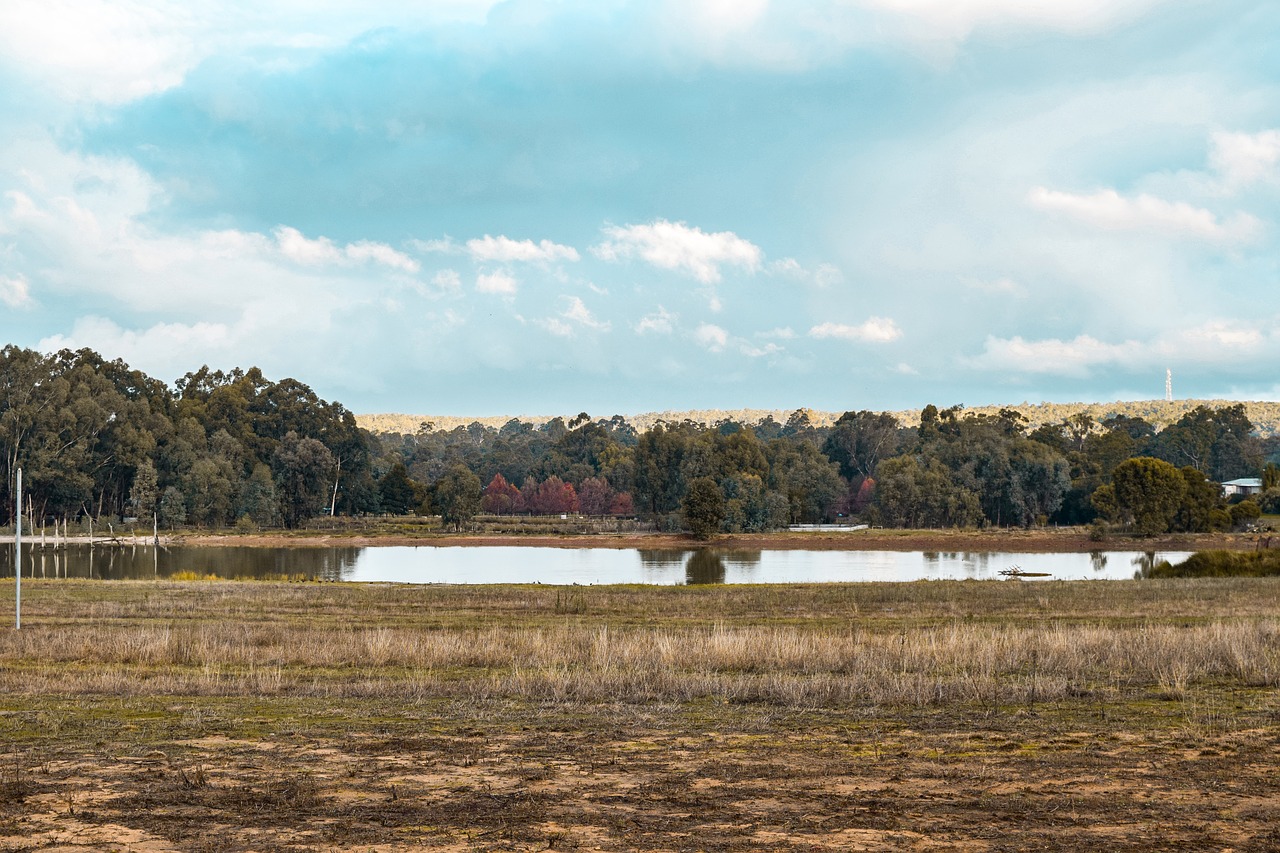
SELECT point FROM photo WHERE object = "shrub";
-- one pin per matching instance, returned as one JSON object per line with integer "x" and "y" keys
{"x": 1219, "y": 519}
{"x": 1220, "y": 564}
{"x": 1245, "y": 512}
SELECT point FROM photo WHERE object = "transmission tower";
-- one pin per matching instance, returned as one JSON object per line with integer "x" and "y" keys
{"x": 1168, "y": 386}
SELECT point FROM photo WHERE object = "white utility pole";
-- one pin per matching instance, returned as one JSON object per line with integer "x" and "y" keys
{"x": 17, "y": 561}
{"x": 1168, "y": 386}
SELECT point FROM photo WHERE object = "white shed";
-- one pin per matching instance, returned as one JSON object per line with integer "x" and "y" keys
{"x": 1244, "y": 486}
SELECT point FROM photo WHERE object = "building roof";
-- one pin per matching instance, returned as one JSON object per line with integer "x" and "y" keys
{"x": 1245, "y": 482}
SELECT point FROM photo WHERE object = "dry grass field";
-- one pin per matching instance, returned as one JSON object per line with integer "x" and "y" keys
{"x": 236, "y": 716}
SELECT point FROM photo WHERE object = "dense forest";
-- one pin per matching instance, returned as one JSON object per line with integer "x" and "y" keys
{"x": 96, "y": 438}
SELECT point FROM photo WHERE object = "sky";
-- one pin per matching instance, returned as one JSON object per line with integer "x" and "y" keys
{"x": 469, "y": 207}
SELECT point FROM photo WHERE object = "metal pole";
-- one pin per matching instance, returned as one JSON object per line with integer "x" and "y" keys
{"x": 17, "y": 561}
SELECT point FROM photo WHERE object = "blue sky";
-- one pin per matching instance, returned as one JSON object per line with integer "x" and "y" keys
{"x": 548, "y": 206}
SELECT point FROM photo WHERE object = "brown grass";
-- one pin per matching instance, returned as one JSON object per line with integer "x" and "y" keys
{"x": 206, "y": 715}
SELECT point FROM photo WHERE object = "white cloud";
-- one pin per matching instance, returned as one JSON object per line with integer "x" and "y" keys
{"x": 996, "y": 287}
{"x": 118, "y": 50}
{"x": 381, "y": 253}
{"x": 1109, "y": 210}
{"x": 82, "y": 225}
{"x": 827, "y": 275}
{"x": 505, "y": 250}
{"x": 1216, "y": 336}
{"x": 96, "y": 49}
{"x": 1055, "y": 356}
{"x": 676, "y": 246}
{"x": 496, "y": 282}
{"x": 906, "y": 369}
{"x": 782, "y": 333}
{"x": 711, "y": 337}
{"x": 957, "y": 19}
{"x": 876, "y": 330}
{"x": 788, "y": 267}
{"x": 556, "y": 326}
{"x": 824, "y": 275}
{"x": 443, "y": 246}
{"x": 577, "y": 312}
{"x": 447, "y": 280}
{"x": 15, "y": 291}
{"x": 805, "y": 33}
{"x": 1213, "y": 342}
{"x": 322, "y": 251}
{"x": 752, "y": 351}
{"x": 1245, "y": 158}
{"x": 660, "y": 322}
{"x": 146, "y": 348}
{"x": 297, "y": 248}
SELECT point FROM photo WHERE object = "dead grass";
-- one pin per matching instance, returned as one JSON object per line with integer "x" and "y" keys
{"x": 935, "y": 715}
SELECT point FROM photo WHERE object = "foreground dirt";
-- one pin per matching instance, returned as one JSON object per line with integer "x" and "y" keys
{"x": 1014, "y": 541}
{"x": 267, "y": 716}
{"x": 497, "y": 776}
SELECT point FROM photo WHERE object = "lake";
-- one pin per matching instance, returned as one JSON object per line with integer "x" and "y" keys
{"x": 517, "y": 564}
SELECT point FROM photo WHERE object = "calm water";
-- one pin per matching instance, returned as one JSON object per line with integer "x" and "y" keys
{"x": 566, "y": 566}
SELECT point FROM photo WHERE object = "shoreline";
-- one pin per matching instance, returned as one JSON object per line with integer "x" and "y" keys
{"x": 1052, "y": 541}
{"x": 1062, "y": 541}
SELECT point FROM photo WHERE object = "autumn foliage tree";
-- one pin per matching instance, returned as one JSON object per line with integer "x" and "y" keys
{"x": 500, "y": 497}
{"x": 553, "y": 496}
{"x": 595, "y": 496}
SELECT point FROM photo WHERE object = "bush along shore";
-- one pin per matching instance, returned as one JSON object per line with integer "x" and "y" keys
{"x": 1221, "y": 564}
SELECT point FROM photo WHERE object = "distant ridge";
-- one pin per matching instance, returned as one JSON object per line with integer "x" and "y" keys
{"x": 1160, "y": 413}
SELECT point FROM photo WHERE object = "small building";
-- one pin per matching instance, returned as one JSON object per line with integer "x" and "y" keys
{"x": 1245, "y": 486}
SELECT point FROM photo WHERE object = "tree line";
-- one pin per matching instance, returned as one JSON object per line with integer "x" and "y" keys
{"x": 97, "y": 438}
{"x": 952, "y": 469}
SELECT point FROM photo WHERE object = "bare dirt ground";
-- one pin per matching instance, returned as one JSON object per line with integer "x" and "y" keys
{"x": 1066, "y": 540}
{"x": 501, "y": 777}
{"x": 264, "y": 716}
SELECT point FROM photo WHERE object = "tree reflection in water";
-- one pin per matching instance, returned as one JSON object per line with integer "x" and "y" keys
{"x": 661, "y": 558}
{"x": 709, "y": 566}
{"x": 145, "y": 561}
{"x": 704, "y": 566}
{"x": 1144, "y": 563}
{"x": 1098, "y": 559}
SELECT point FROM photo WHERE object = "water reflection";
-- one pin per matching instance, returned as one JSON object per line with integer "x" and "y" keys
{"x": 704, "y": 566}
{"x": 522, "y": 564}
{"x": 145, "y": 561}
{"x": 1144, "y": 562}
{"x": 662, "y": 558}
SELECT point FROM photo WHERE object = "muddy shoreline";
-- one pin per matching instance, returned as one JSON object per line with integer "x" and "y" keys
{"x": 1063, "y": 541}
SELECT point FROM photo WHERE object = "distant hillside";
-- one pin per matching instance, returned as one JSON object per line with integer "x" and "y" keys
{"x": 1264, "y": 415}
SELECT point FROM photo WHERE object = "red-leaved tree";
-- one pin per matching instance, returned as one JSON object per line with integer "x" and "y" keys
{"x": 622, "y": 505}
{"x": 554, "y": 496}
{"x": 500, "y": 497}
{"x": 595, "y": 496}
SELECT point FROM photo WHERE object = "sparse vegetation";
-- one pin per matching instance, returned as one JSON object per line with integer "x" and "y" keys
{"x": 523, "y": 717}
